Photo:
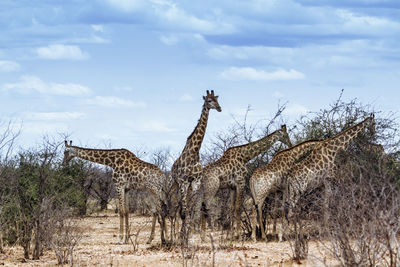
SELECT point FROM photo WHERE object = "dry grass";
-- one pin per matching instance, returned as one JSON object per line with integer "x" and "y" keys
{"x": 99, "y": 247}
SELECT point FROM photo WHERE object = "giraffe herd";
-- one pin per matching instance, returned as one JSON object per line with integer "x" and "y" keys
{"x": 194, "y": 187}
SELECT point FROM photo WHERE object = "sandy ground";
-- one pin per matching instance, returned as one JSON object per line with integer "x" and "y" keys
{"x": 99, "y": 247}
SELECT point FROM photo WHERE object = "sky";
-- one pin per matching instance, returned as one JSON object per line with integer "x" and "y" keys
{"x": 132, "y": 73}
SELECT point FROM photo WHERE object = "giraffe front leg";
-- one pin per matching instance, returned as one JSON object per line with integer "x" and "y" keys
{"x": 205, "y": 216}
{"x": 121, "y": 212}
{"x": 165, "y": 230}
{"x": 184, "y": 191}
{"x": 238, "y": 205}
{"x": 153, "y": 226}
{"x": 126, "y": 217}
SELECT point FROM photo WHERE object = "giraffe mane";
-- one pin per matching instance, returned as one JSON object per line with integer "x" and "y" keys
{"x": 233, "y": 147}
{"x": 297, "y": 145}
{"x": 108, "y": 150}
{"x": 348, "y": 129}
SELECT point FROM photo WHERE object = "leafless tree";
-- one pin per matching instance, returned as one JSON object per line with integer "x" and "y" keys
{"x": 100, "y": 185}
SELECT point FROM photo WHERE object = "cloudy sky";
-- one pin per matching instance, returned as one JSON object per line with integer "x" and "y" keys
{"x": 133, "y": 72}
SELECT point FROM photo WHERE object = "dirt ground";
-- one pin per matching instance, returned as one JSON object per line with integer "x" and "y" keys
{"x": 99, "y": 247}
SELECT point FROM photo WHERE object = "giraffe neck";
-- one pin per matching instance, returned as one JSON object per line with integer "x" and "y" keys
{"x": 194, "y": 140}
{"x": 252, "y": 149}
{"x": 108, "y": 157}
{"x": 342, "y": 140}
{"x": 284, "y": 159}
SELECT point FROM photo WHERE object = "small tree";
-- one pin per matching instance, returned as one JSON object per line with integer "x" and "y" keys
{"x": 100, "y": 185}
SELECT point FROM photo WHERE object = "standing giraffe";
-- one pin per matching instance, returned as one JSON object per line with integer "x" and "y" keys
{"x": 129, "y": 172}
{"x": 320, "y": 164}
{"x": 268, "y": 178}
{"x": 230, "y": 172}
{"x": 187, "y": 169}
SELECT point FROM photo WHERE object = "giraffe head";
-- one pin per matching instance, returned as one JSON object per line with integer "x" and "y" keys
{"x": 284, "y": 136}
{"x": 371, "y": 124}
{"x": 211, "y": 101}
{"x": 69, "y": 152}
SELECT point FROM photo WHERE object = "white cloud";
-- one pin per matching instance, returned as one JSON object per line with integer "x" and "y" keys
{"x": 58, "y": 51}
{"x": 32, "y": 83}
{"x": 53, "y": 115}
{"x": 186, "y": 97}
{"x": 126, "y": 5}
{"x": 156, "y": 126}
{"x": 171, "y": 14}
{"x": 278, "y": 94}
{"x": 169, "y": 40}
{"x": 98, "y": 28}
{"x": 112, "y": 101}
{"x": 44, "y": 127}
{"x": 248, "y": 73}
{"x": 124, "y": 89}
{"x": 8, "y": 66}
{"x": 275, "y": 55}
{"x": 296, "y": 109}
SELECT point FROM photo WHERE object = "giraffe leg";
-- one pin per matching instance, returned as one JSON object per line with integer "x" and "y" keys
{"x": 238, "y": 205}
{"x": 172, "y": 221}
{"x": 121, "y": 198}
{"x": 205, "y": 216}
{"x": 260, "y": 219}
{"x": 153, "y": 226}
{"x": 165, "y": 229}
{"x": 164, "y": 232}
{"x": 126, "y": 217}
{"x": 161, "y": 221}
{"x": 208, "y": 194}
{"x": 203, "y": 228}
{"x": 253, "y": 222}
{"x": 184, "y": 191}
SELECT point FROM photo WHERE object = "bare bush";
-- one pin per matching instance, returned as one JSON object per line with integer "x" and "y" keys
{"x": 364, "y": 211}
{"x": 64, "y": 239}
{"x": 134, "y": 237}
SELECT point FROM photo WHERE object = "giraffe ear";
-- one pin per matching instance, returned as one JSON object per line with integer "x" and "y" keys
{"x": 204, "y": 98}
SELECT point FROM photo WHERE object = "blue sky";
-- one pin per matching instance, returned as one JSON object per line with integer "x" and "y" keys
{"x": 132, "y": 73}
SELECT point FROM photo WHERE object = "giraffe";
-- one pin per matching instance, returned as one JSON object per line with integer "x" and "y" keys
{"x": 230, "y": 172}
{"x": 187, "y": 169}
{"x": 129, "y": 172}
{"x": 320, "y": 164}
{"x": 268, "y": 178}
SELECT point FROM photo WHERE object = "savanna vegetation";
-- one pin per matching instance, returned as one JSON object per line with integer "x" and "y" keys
{"x": 355, "y": 216}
